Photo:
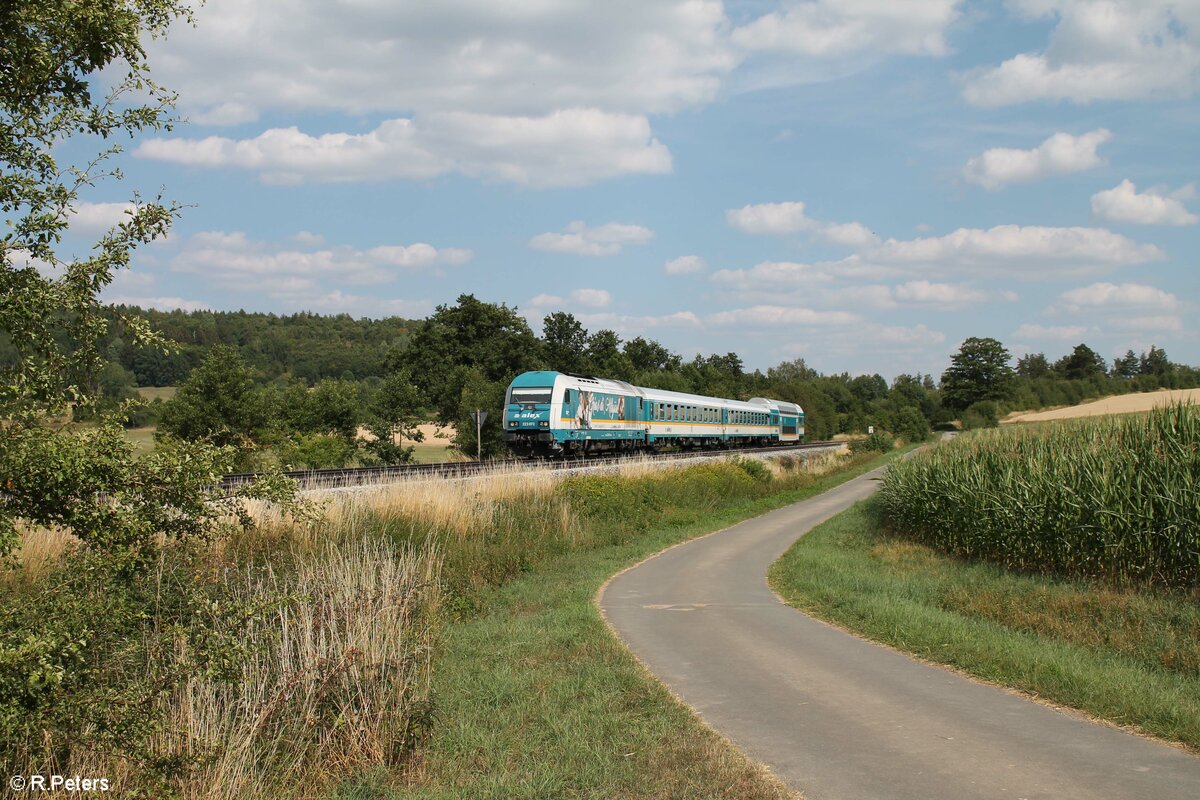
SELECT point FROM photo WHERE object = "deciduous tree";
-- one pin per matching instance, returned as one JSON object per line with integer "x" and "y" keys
{"x": 978, "y": 371}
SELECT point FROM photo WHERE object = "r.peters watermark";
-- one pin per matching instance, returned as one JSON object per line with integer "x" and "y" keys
{"x": 57, "y": 783}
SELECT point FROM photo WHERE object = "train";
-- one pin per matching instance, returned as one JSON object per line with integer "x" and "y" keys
{"x": 550, "y": 413}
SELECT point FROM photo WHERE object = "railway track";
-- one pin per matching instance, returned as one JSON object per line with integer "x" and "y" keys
{"x": 367, "y": 476}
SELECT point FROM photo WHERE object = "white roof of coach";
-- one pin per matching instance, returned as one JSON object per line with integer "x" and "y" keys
{"x": 782, "y": 406}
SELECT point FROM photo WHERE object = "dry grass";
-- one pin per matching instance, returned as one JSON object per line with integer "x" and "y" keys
{"x": 157, "y": 392}
{"x": 342, "y": 686}
{"x": 39, "y": 551}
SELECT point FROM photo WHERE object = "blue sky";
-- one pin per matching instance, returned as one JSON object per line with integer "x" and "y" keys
{"x": 862, "y": 183}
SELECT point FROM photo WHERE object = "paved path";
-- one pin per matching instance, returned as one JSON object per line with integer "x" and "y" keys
{"x": 837, "y": 717}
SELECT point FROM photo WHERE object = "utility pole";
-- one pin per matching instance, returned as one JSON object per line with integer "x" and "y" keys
{"x": 479, "y": 415}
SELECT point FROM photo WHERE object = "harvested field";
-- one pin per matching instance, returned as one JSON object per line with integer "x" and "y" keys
{"x": 1119, "y": 404}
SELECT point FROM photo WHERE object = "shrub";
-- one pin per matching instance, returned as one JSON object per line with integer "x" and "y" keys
{"x": 755, "y": 468}
{"x": 911, "y": 425}
{"x": 317, "y": 451}
{"x": 877, "y": 442}
{"x": 984, "y": 414}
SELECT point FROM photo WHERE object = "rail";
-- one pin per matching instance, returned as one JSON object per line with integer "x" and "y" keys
{"x": 366, "y": 476}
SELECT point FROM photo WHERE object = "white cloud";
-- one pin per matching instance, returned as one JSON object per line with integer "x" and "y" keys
{"x": 1116, "y": 296}
{"x": 632, "y": 325}
{"x": 160, "y": 303}
{"x": 541, "y": 94}
{"x": 685, "y": 265}
{"x": 775, "y": 316}
{"x": 773, "y": 274}
{"x": 1059, "y": 154}
{"x": 913, "y": 294}
{"x": 228, "y": 113}
{"x": 848, "y": 234}
{"x": 592, "y": 298}
{"x": 308, "y": 239}
{"x": 1099, "y": 50}
{"x": 579, "y": 239}
{"x": 1122, "y": 203}
{"x": 938, "y": 294}
{"x": 790, "y": 217}
{"x": 912, "y": 344}
{"x": 1058, "y": 332}
{"x": 589, "y": 298}
{"x": 98, "y": 217}
{"x": 233, "y": 261}
{"x": 1030, "y": 252}
{"x": 127, "y": 280}
{"x": 771, "y": 218}
{"x": 383, "y": 56}
{"x": 570, "y": 147}
{"x": 828, "y": 28}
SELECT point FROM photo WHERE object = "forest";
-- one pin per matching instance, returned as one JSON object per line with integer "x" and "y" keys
{"x": 297, "y": 389}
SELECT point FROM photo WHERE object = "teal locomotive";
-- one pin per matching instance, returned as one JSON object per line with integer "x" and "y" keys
{"x": 558, "y": 413}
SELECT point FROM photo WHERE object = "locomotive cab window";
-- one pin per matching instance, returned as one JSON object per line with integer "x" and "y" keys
{"x": 524, "y": 395}
{"x": 566, "y": 397}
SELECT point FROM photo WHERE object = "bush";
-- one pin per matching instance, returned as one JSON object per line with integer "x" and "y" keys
{"x": 755, "y": 468}
{"x": 85, "y": 671}
{"x": 877, "y": 442}
{"x": 984, "y": 414}
{"x": 317, "y": 451}
{"x": 911, "y": 425}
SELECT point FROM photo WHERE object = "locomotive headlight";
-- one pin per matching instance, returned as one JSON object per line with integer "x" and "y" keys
{"x": 512, "y": 423}
{"x": 544, "y": 424}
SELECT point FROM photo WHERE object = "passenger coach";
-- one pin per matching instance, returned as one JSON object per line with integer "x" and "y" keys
{"x": 551, "y": 413}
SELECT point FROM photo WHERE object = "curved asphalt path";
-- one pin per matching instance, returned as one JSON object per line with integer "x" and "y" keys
{"x": 837, "y": 717}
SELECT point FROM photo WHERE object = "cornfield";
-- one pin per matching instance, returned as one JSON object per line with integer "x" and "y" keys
{"x": 1114, "y": 498}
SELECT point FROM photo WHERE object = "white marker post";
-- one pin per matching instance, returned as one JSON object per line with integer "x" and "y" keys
{"x": 479, "y": 415}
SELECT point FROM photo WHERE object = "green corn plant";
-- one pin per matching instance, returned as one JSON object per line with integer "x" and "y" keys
{"x": 1115, "y": 498}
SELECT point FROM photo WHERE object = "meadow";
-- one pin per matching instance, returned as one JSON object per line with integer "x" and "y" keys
{"x": 424, "y": 639}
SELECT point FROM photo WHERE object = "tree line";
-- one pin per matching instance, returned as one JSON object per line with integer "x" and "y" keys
{"x": 464, "y": 355}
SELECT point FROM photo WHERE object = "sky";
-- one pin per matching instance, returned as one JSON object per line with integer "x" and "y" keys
{"x": 859, "y": 183}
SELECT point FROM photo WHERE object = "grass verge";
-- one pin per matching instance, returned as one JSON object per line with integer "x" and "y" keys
{"x": 537, "y": 699}
{"x": 1129, "y": 657}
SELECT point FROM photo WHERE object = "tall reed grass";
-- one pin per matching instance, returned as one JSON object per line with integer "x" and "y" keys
{"x": 1113, "y": 498}
{"x": 337, "y": 683}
